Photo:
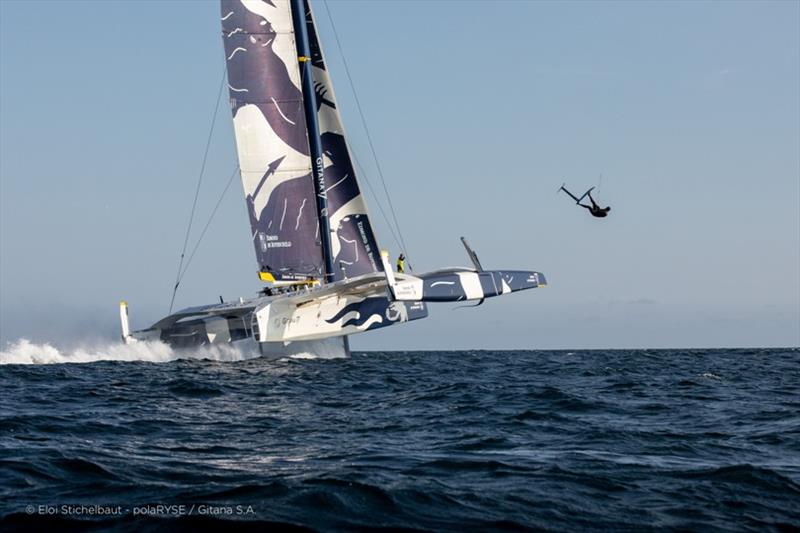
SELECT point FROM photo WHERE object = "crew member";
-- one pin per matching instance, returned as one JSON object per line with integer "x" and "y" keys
{"x": 401, "y": 264}
{"x": 595, "y": 209}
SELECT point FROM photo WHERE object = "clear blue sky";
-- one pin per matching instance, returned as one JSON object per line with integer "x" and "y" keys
{"x": 478, "y": 110}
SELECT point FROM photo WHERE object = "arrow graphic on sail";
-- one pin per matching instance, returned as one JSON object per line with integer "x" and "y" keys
{"x": 270, "y": 171}
{"x": 251, "y": 198}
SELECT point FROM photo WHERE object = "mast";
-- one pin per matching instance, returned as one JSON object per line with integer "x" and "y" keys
{"x": 353, "y": 240}
{"x": 314, "y": 138}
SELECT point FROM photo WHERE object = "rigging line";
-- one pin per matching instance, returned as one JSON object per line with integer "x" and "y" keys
{"x": 363, "y": 174}
{"x": 366, "y": 129}
{"x": 377, "y": 200}
{"x": 197, "y": 190}
{"x": 210, "y": 219}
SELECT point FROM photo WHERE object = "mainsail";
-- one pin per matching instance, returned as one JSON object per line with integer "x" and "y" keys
{"x": 273, "y": 144}
{"x": 272, "y": 137}
{"x": 354, "y": 247}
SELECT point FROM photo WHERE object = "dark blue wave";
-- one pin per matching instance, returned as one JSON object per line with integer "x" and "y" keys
{"x": 483, "y": 440}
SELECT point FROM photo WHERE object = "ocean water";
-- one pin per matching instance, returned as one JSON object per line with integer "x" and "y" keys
{"x": 705, "y": 440}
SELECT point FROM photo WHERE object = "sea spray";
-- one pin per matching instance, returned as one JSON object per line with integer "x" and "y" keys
{"x": 25, "y": 352}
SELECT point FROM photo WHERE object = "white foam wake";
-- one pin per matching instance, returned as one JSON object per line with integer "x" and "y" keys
{"x": 25, "y": 352}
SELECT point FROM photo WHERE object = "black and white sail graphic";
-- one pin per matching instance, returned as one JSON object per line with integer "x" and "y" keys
{"x": 354, "y": 247}
{"x": 271, "y": 136}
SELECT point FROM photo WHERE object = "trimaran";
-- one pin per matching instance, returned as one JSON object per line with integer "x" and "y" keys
{"x": 325, "y": 276}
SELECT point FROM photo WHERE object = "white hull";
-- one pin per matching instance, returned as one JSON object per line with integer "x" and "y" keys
{"x": 317, "y": 320}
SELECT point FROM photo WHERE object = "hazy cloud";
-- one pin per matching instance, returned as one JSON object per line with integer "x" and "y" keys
{"x": 635, "y": 301}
